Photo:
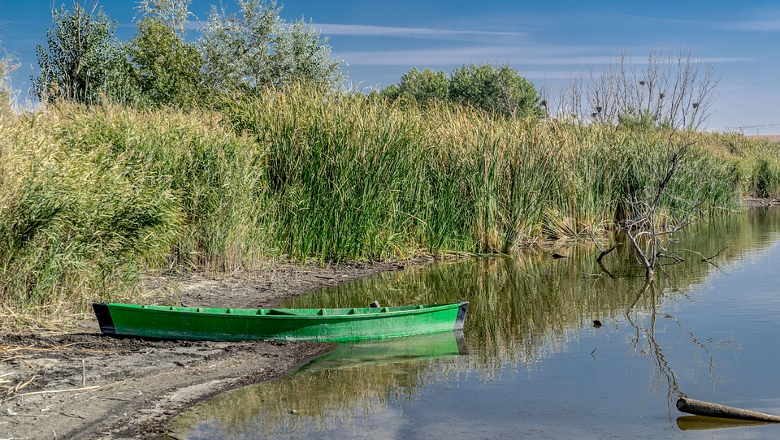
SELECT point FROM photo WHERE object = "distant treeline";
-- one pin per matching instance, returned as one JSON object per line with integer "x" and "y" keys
{"x": 247, "y": 52}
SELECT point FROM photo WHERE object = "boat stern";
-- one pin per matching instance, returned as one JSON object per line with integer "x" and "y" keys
{"x": 104, "y": 318}
{"x": 464, "y": 306}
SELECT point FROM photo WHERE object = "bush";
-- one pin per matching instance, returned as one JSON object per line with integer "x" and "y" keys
{"x": 500, "y": 90}
{"x": 497, "y": 90}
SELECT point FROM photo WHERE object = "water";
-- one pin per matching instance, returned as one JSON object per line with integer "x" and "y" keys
{"x": 531, "y": 363}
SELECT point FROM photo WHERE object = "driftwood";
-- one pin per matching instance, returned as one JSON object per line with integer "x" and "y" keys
{"x": 701, "y": 408}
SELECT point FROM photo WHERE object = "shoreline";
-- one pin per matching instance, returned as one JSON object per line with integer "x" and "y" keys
{"x": 85, "y": 385}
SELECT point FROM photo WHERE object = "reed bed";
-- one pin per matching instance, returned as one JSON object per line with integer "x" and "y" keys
{"x": 90, "y": 197}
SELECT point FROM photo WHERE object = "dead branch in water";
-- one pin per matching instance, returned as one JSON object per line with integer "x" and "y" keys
{"x": 701, "y": 408}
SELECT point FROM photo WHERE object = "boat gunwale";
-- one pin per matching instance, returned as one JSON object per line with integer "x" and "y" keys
{"x": 231, "y": 312}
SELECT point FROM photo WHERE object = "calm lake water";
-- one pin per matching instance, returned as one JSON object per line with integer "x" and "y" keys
{"x": 530, "y": 363}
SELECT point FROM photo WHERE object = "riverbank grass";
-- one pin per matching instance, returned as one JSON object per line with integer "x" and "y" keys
{"x": 91, "y": 197}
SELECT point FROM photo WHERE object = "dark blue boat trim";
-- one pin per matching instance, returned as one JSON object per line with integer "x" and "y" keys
{"x": 461, "y": 315}
{"x": 104, "y": 318}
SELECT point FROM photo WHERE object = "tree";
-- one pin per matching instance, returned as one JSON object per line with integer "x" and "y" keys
{"x": 425, "y": 86}
{"x": 165, "y": 69}
{"x": 641, "y": 120}
{"x": 674, "y": 90}
{"x": 258, "y": 49}
{"x": 173, "y": 14}
{"x": 499, "y": 90}
{"x": 390, "y": 92}
{"x": 82, "y": 59}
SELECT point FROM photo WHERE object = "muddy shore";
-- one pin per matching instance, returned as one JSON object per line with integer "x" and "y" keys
{"x": 83, "y": 385}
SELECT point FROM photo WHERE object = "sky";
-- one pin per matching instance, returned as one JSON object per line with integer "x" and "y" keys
{"x": 546, "y": 41}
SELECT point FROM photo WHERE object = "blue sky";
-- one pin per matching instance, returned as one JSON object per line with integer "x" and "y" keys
{"x": 546, "y": 41}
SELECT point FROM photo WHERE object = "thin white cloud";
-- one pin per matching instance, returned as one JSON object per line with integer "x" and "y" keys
{"x": 552, "y": 75}
{"x": 520, "y": 55}
{"x": 758, "y": 25}
{"x": 452, "y": 56}
{"x": 717, "y": 60}
{"x": 410, "y": 32}
{"x": 754, "y": 26}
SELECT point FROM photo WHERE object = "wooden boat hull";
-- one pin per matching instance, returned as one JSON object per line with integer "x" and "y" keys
{"x": 325, "y": 325}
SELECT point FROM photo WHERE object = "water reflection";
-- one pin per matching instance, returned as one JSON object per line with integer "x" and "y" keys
{"x": 353, "y": 381}
{"x": 389, "y": 351}
{"x": 529, "y": 331}
{"x": 690, "y": 423}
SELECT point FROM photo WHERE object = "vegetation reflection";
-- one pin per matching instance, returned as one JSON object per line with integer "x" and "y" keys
{"x": 521, "y": 310}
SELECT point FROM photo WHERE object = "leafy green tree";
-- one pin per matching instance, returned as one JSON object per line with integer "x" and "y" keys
{"x": 299, "y": 54}
{"x": 500, "y": 90}
{"x": 82, "y": 59}
{"x": 424, "y": 86}
{"x": 173, "y": 14}
{"x": 391, "y": 92}
{"x": 165, "y": 68}
{"x": 258, "y": 49}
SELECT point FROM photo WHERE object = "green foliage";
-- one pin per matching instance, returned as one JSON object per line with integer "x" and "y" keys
{"x": 73, "y": 227}
{"x": 391, "y": 92}
{"x": 81, "y": 60}
{"x": 425, "y": 86}
{"x": 257, "y": 49}
{"x": 172, "y": 14}
{"x": 451, "y": 180}
{"x": 765, "y": 180}
{"x": 500, "y": 90}
{"x": 246, "y": 53}
{"x": 165, "y": 68}
{"x": 633, "y": 119}
{"x": 89, "y": 196}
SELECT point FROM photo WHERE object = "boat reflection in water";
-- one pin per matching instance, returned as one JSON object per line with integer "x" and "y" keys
{"x": 387, "y": 351}
{"x": 352, "y": 381}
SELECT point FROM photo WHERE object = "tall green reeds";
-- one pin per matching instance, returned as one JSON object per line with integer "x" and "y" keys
{"x": 71, "y": 232}
{"x": 353, "y": 178}
{"x": 91, "y": 196}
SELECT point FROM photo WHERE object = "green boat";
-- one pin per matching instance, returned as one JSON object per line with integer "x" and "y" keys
{"x": 324, "y": 325}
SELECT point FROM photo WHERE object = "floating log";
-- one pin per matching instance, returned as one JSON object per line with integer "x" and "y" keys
{"x": 701, "y": 408}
